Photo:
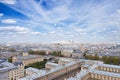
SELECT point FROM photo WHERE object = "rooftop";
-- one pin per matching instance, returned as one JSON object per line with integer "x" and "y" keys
{"x": 39, "y": 74}
{"x": 6, "y": 67}
{"x": 18, "y": 63}
{"x": 20, "y": 57}
{"x": 111, "y": 66}
{"x": 33, "y": 70}
{"x": 54, "y": 64}
{"x": 66, "y": 60}
{"x": 105, "y": 73}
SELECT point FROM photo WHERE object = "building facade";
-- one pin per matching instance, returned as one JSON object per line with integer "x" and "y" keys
{"x": 95, "y": 70}
{"x": 27, "y": 58}
{"x": 11, "y": 71}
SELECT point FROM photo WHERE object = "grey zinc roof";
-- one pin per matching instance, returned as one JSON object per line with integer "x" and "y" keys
{"x": 111, "y": 66}
{"x": 18, "y": 63}
{"x": 3, "y": 59}
{"x": 105, "y": 73}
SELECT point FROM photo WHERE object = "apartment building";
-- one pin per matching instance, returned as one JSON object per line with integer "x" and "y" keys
{"x": 95, "y": 70}
{"x": 11, "y": 71}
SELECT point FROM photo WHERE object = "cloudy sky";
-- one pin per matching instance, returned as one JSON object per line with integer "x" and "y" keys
{"x": 59, "y": 20}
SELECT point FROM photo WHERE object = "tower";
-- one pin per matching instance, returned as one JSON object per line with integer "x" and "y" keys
{"x": 14, "y": 59}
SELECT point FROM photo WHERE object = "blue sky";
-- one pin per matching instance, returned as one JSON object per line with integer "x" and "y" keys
{"x": 59, "y": 20}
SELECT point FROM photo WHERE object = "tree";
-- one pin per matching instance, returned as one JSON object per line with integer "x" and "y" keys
{"x": 10, "y": 60}
{"x": 30, "y": 52}
{"x": 104, "y": 58}
{"x": 57, "y": 53}
{"x": 96, "y": 57}
{"x": 38, "y": 65}
{"x": 38, "y": 52}
{"x": 116, "y": 61}
{"x": 12, "y": 50}
{"x": 84, "y": 55}
{"x": 108, "y": 60}
{"x": 111, "y": 60}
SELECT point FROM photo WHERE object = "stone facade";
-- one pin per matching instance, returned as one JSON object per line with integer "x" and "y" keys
{"x": 17, "y": 73}
{"x": 98, "y": 71}
{"x": 12, "y": 71}
{"x": 27, "y": 58}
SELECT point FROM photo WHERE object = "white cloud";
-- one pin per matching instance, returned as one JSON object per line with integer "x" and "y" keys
{"x": 1, "y": 14}
{"x": 78, "y": 20}
{"x": 18, "y": 30}
{"x": 98, "y": 31}
{"x": 114, "y": 31}
{"x": 80, "y": 30}
{"x": 58, "y": 13}
{"x": 15, "y": 30}
{"x": 37, "y": 33}
{"x": 51, "y": 32}
{"x": 83, "y": 33}
{"x": 9, "y": 21}
{"x": 118, "y": 11}
{"x": 94, "y": 33}
{"x": 11, "y": 2}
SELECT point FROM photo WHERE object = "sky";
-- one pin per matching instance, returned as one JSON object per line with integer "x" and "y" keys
{"x": 59, "y": 20}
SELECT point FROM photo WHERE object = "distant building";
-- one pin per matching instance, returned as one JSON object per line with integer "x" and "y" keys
{"x": 8, "y": 54}
{"x": 27, "y": 58}
{"x": 25, "y": 54}
{"x": 77, "y": 54}
{"x": 67, "y": 53}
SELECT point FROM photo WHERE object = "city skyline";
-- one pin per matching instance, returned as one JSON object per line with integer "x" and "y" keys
{"x": 59, "y": 20}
